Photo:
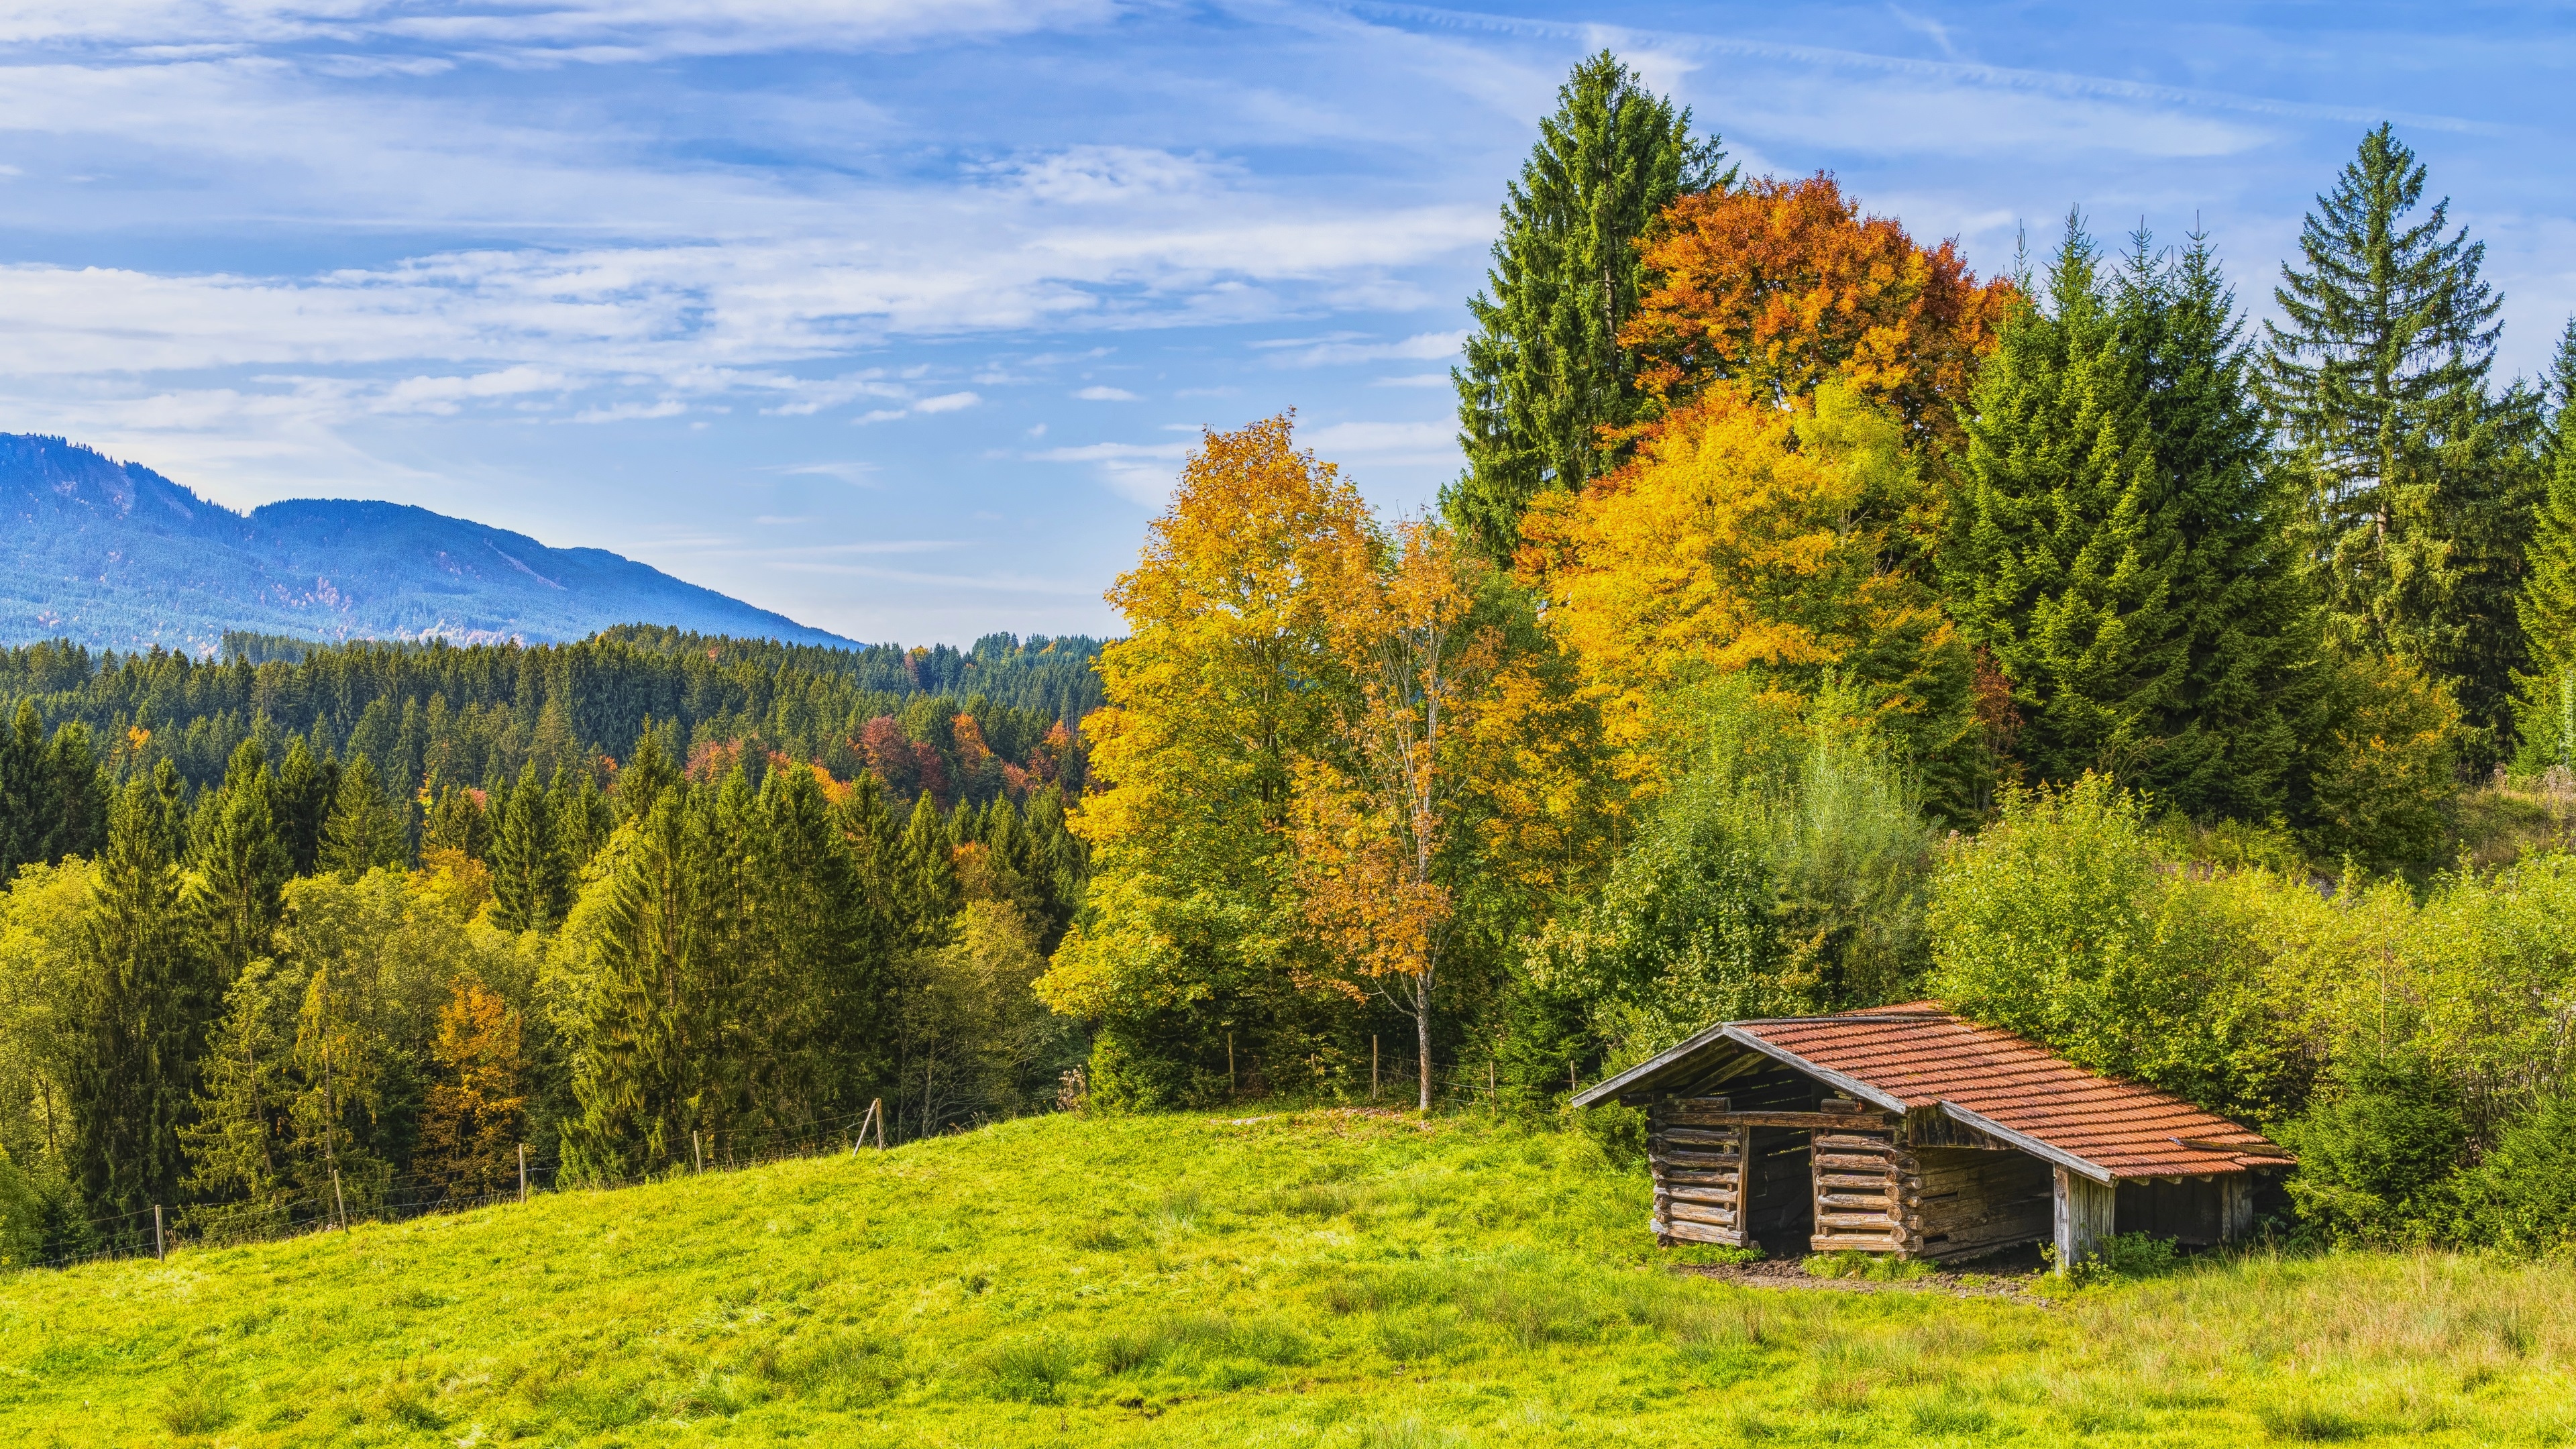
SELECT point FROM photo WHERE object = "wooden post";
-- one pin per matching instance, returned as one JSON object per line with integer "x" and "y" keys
{"x": 339, "y": 1203}
{"x": 876, "y": 1109}
{"x": 2083, "y": 1218}
{"x": 1229, "y": 1064}
{"x": 1372, "y": 1066}
{"x": 160, "y": 1247}
{"x": 697, "y": 1152}
{"x": 523, "y": 1173}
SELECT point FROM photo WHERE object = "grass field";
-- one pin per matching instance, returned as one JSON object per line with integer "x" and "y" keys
{"x": 1319, "y": 1279}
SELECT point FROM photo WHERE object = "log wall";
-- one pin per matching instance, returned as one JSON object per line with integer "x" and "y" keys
{"x": 1699, "y": 1173}
{"x": 1966, "y": 1201}
{"x": 1861, "y": 1183}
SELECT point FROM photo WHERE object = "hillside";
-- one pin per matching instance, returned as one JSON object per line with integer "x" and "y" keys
{"x": 1333, "y": 1279}
{"x": 113, "y": 555}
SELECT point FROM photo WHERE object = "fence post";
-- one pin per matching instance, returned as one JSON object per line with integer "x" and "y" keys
{"x": 1372, "y": 1066}
{"x": 1229, "y": 1065}
{"x": 523, "y": 1174}
{"x": 876, "y": 1109}
{"x": 697, "y": 1152}
{"x": 339, "y": 1204}
{"x": 160, "y": 1248}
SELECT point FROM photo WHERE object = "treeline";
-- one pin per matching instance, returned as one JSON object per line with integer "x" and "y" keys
{"x": 254, "y": 1009}
{"x": 1818, "y": 626}
{"x": 477, "y": 715}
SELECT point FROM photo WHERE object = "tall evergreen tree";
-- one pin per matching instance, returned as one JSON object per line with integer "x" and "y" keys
{"x": 581, "y": 815}
{"x": 1544, "y": 371}
{"x": 74, "y": 796}
{"x": 364, "y": 830}
{"x": 2548, "y": 602}
{"x": 531, "y": 880}
{"x": 23, "y": 791}
{"x": 307, "y": 782}
{"x": 2060, "y": 563}
{"x": 2418, "y": 484}
{"x": 925, "y": 879}
{"x": 152, "y": 993}
{"x": 649, "y": 771}
{"x": 457, "y": 821}
{"x": 242, "y": 864}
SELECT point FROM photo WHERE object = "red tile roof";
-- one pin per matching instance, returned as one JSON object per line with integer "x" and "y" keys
{"x": 1922, "y": 1055}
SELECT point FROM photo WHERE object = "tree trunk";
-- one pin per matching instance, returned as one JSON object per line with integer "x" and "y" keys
{"x": 1422, "y": 1035}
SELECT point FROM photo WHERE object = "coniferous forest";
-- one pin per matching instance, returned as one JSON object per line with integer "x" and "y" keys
{"x": 1815, "y": 625}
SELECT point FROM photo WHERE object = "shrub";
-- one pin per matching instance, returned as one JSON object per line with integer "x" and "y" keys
{"x": 2374, "y": 1155}
{"x": 2523, "y": 1196}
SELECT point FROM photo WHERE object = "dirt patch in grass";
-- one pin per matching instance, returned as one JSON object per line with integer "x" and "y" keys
{"x": 2013, "y": 1275}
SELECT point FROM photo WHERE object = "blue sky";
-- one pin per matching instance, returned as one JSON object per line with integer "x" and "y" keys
{"x": 897, "y": 317}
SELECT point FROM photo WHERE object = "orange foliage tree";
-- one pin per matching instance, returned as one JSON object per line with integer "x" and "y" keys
{"x": 469, "y": 1128}
{"x": 1780, "y": 284}
{"x": 1378, "y": 811}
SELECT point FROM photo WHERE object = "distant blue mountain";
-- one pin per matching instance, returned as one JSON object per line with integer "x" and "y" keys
{"x": 113, "y": 555}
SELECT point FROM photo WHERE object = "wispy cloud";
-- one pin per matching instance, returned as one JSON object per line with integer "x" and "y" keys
{"x": 1107, "y": 394}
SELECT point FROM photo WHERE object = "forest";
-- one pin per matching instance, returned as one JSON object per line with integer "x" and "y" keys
{"x": 1814, "y": 625}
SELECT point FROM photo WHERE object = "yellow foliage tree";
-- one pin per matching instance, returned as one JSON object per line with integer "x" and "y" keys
{"x": 1749, "y": 536}
{"x": 1227, "y": 678}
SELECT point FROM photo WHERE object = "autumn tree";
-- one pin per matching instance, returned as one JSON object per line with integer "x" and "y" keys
{"x": 1227, "y": 679}
{"x": 1778, "y": 285}
{"x": 1753, "y": 538}
{"x": 1546, "y": 370}
{"x": 1380, "y": 812}
{"x": 471, "y": 1119}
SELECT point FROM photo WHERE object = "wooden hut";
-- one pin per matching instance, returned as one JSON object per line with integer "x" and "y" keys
{"x": 1907, "y": 1130}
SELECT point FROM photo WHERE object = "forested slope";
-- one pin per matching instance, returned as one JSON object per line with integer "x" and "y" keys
{"x": 113, "y": 555}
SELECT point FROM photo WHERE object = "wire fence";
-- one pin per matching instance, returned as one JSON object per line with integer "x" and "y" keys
{"x": 158, "y": 1231}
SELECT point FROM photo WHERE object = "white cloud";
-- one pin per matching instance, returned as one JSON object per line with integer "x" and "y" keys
{"x": 1385, "y": 443}
{"x": 946, "y": 402}
{"x": 1348, "y": 347}
{"x": 631, "y": 412}
{"x": 1107, "y": 394}
{"x": 1140, "y": 472}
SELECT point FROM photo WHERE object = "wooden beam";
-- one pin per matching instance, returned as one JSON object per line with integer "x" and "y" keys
{"x": 1812, "y": 1121}
{"x": 2083, "y": 1216}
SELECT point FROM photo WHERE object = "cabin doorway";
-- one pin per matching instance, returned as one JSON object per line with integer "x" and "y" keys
{"x": 1780, "y": 1191}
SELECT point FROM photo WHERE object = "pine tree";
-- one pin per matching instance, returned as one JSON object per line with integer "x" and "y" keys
{"x": 364, "y": 830}
{"x": 2064, "y": 538}
{"x": 531, "y": 880}
{"x": 307, "y": 782}
{"x": 153, "y": 992}
{"x": 648, "y": 773}
{"x": 2547, "y": 691}
{"x": 2418, "y": 483}
{"x": 2251, "y": 683}
{"x": 638, "y": 1062}
{"x": 74, "y": 795}
{"x": 581, "y": 816}
{"x": 22, "y": 792}
{"x": 242, "y": 863}
{"x": 926, "y": 895}
{"x": 1544, "y": 371}
{"x": 458, "y": 822}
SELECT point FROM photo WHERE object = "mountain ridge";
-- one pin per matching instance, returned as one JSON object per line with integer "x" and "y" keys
{"x": 113, "y": 555}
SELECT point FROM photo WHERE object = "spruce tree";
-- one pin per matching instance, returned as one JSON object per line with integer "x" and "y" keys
{"x": 2417, "y": 482}
{"x": 2547, "y": 694}
{"x": 648, "y": 773}
{"x": 925, "y": 877}
{"x": 531, "y": 880}
{"x": 1544, "y": 371}
{"x": 364, "y": 830}
{"x": 242, "y": 864}
{"x": 458, "y": 822}
{"x": 23, "y": 792}
{"x": 307, "y": 782}
{"x": 74, "y": 796}
{"x": 2064, "y": 535}
{"x": 152, "y": 992}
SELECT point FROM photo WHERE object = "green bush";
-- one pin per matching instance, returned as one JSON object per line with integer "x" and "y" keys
{"x": 2523, "y": 1196}
{"x": 2376, "y": 1154}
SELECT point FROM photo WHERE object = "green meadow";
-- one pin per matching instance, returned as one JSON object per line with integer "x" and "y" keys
{"x": 1329, "y": 1279}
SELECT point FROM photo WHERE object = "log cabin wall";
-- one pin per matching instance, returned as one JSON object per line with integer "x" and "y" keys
{"x": 1968, "y": 1201}
{"x": 1699, "y": 1173}
{"x": 1861, "y": 1191}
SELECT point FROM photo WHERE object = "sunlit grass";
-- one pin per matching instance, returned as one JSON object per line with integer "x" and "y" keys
{"x": 1325, "y": 1280}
